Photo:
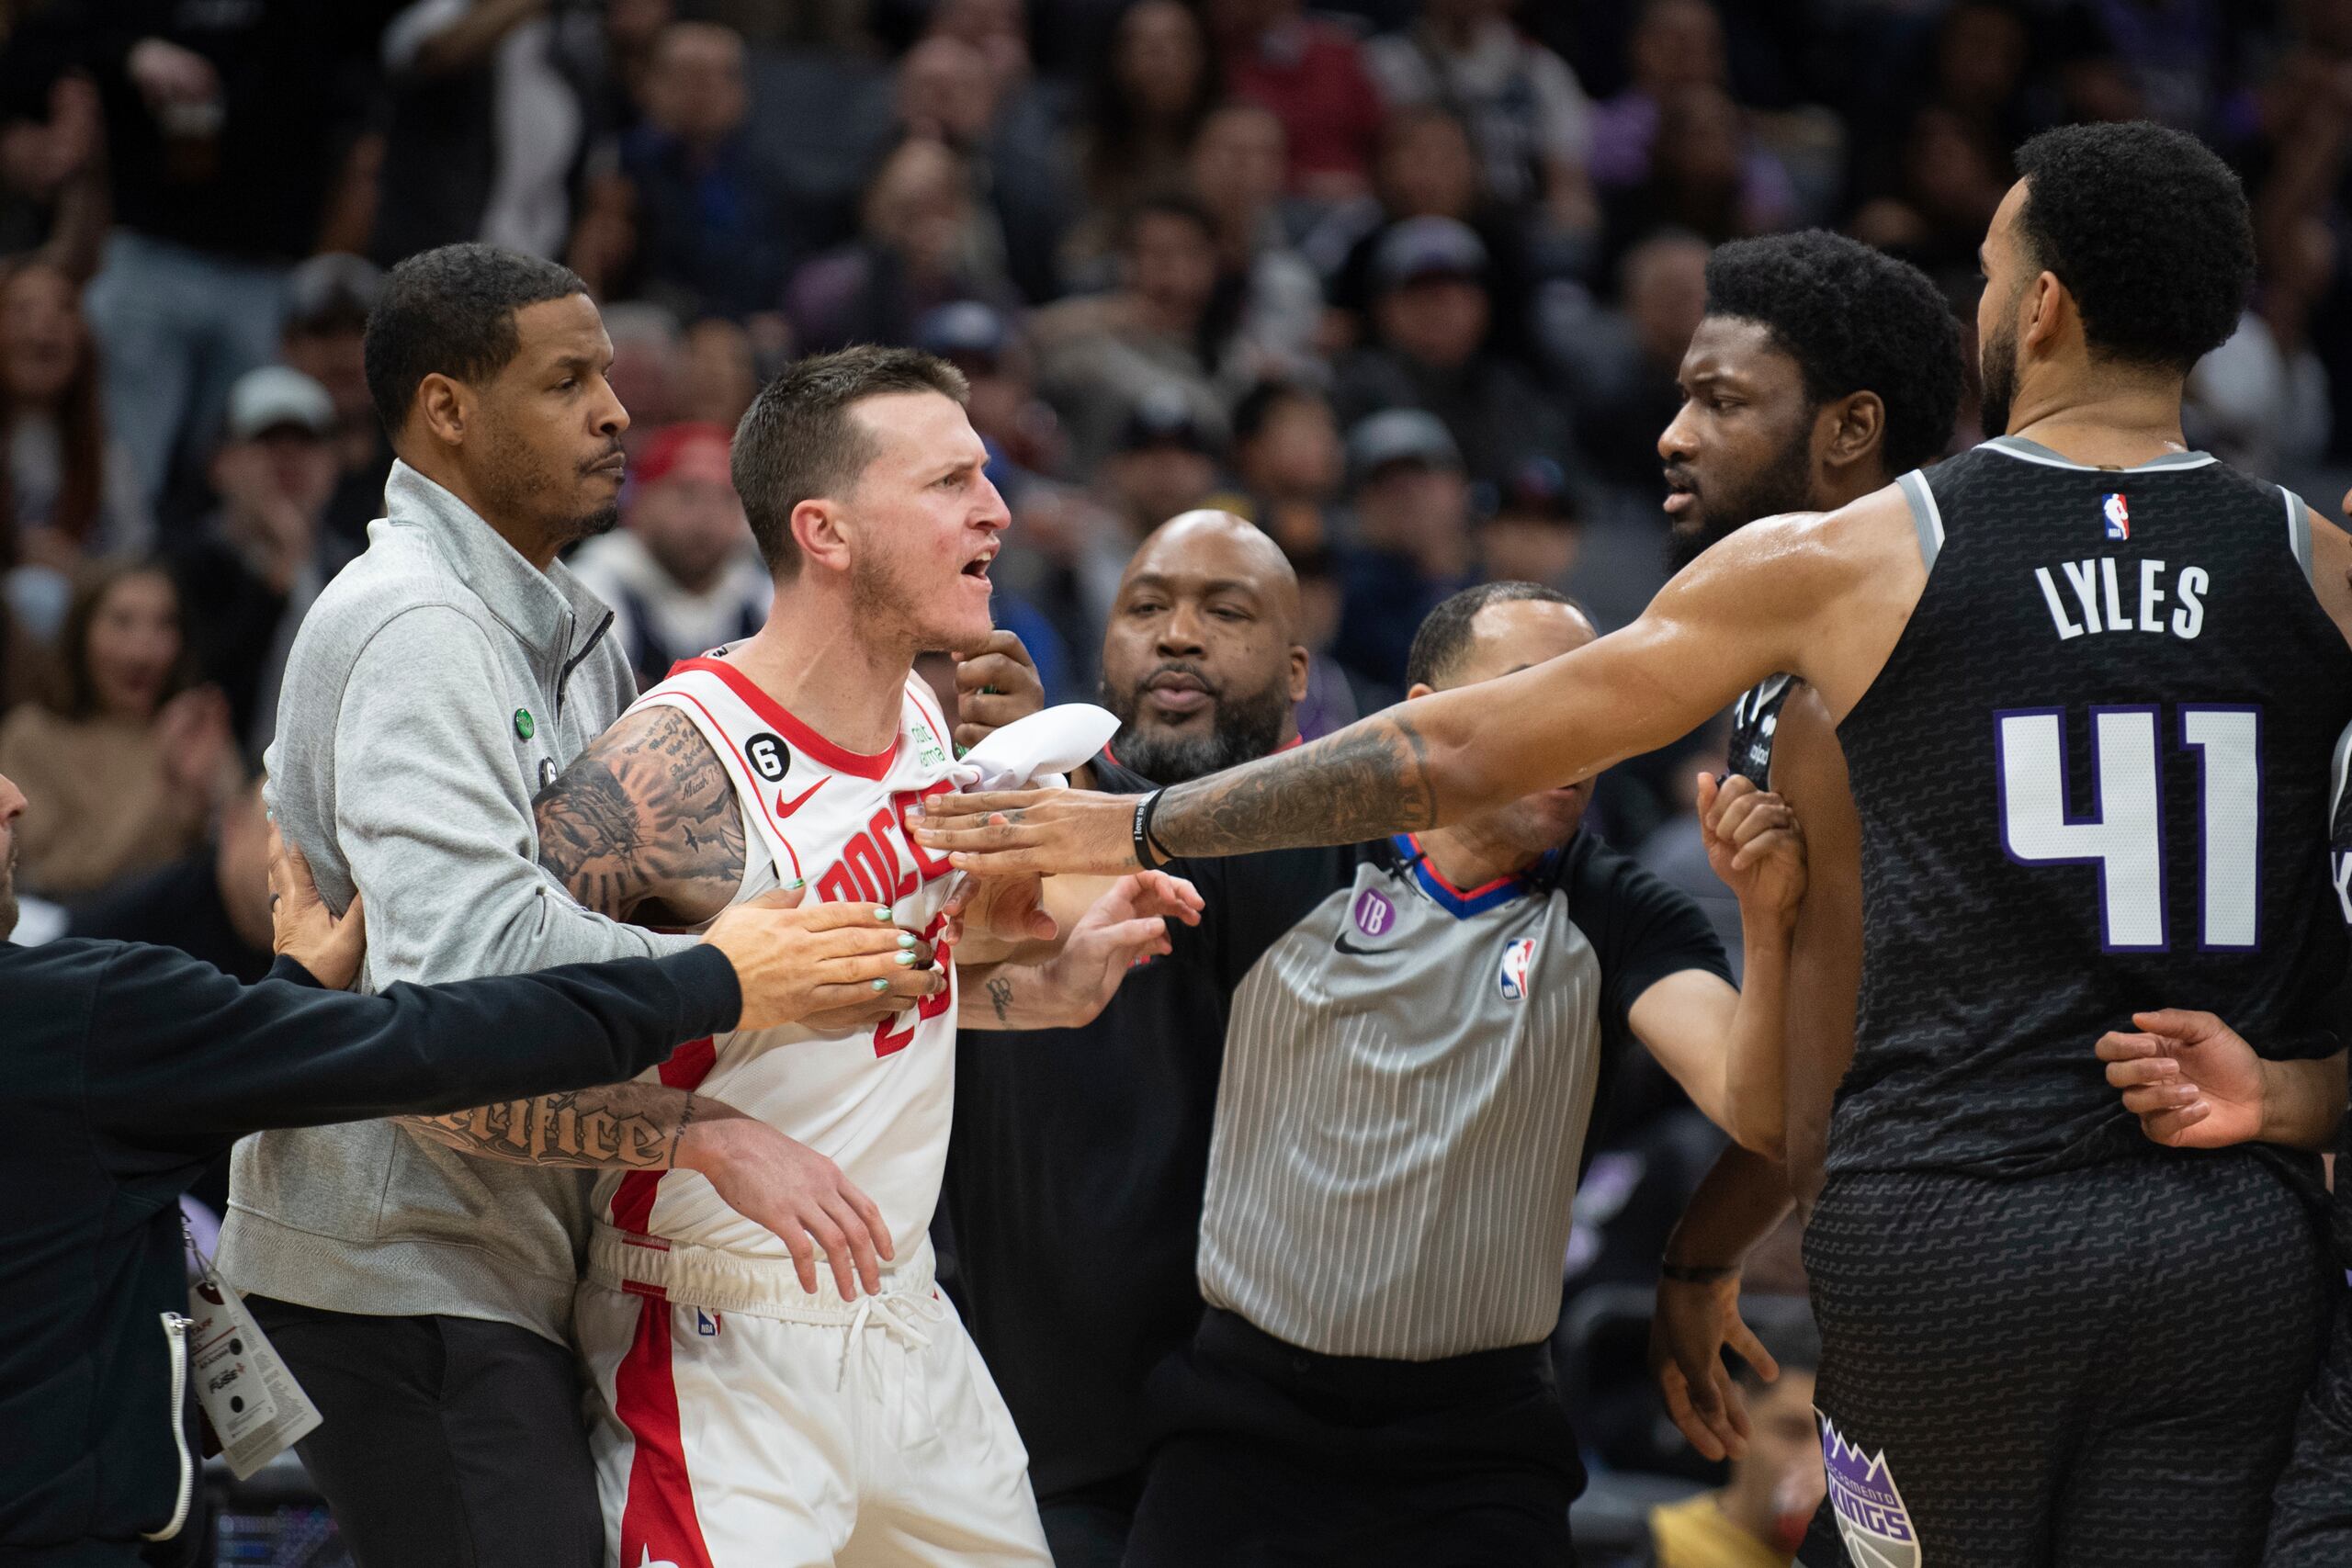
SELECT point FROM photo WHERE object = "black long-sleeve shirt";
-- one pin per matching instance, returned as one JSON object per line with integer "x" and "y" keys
{"x": 124, "y": 1069}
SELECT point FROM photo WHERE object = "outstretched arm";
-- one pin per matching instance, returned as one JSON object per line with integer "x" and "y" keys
{"x": 1825, "y": 950}
{"x": 1823, "y": 597}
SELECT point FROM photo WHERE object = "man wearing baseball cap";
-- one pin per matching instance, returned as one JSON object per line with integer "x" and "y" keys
{"x": 1433, "y": 315}
{"x": 681, "y": 573}
{"x": 249, "y": 574}
{"x": 1412, "y": 538}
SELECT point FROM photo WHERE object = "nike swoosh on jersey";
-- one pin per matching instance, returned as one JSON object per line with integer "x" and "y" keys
{"x": 1344, "y": 945}
{"x": 785, "y": 808}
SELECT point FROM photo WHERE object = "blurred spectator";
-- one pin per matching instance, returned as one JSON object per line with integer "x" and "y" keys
{"x": 1412, "y": 538}
{"x": 212, "y": 903}
{"x": 976, "y": 97}
{"x": 228, "y": 128}
{"x": 1148, "y": 95}
{"x": 681, "y": 574}
{"x": 1526, "y": 111}
{"x": 1759, "y": 1519}
{"x": 129, "y": 764}
{"x": 1620, "y": 365}
{"x": 686, "y": 208}
{"x": 1165, "y": 462}
{"x": 1674, "y": 44}
{"x": 1167, "y": 324}
{"x": 52, "y": 180}
{"x": 1286, "y": 453}
{"x": 922, "y": 243}
{"x": 68, "y": 490}
{"x": 1236, "y": 174}
{"x": 648, "y": 366}
{"x": 1335, "y": 696}
{"x": 1427, "y": 169}
{"x": 488, "y": 116}
{"x": 1310, "y": 72}
{"x": 1699, "y": 178}
{"x": 327, "y": 301}
{"x": 1431, "y": 315}
{"x": 717, "y": 375}
{"x": 1004, "y": 404}
{"x": 1528, "y": 532}
{"x": 249, "y": 575}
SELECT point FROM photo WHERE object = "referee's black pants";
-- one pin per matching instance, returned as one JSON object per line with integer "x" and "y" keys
{"x": 1275, "y": 1456}
{"x": 445, "y": 1442}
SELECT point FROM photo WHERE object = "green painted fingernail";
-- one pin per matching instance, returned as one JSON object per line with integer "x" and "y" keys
{"x": 906, "y": 939}
{"x": 881, "y": 985}
{"x": 907, "y": 958}
{"x": 882, "y": 913}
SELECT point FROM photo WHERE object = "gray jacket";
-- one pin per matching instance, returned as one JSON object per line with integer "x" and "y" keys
{"x": 436, "y": 685}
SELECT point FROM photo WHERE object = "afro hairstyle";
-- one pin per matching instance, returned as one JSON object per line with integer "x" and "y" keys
{"x": 2149, "y": 231}
{"x": 1855, "y": 319}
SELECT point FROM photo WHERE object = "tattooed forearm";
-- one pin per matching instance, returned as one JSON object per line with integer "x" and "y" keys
{"x": 999, "y": 996}
{"x": 1370, "y": 779}
{"x": 626, "y": 1126}
{"x": 644, "y": 824}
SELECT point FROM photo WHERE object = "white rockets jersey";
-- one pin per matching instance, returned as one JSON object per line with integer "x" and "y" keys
{"x": 875, "y": 1102}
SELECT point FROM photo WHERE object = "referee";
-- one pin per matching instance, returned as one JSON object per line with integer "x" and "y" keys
{"x": 1422, "y": 1030}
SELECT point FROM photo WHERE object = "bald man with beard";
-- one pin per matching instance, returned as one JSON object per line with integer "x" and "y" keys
{"x": 1074, "y": 1174}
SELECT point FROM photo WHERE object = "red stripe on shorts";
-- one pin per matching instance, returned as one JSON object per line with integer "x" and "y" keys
{"x": 658, "y": 1522}
{"x": 632, "y": 1206}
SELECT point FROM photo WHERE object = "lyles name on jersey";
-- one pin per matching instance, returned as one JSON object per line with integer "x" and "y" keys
{"x": 2110, "y": 594}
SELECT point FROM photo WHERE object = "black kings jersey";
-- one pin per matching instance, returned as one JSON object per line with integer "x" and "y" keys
{"x": 2090, "y": 779}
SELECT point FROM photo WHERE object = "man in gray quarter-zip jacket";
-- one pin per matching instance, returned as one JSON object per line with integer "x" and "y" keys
{"x": 417, "y": 1275}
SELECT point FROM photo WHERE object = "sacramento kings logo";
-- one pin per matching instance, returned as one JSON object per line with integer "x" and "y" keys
{"x": 1871, "y": 1515}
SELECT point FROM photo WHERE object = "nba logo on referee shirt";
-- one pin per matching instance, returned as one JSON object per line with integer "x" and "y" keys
{"x": 1518, "y": 961}
{"x": 2117, "y": 515}
{"x": 1374, "y": 914}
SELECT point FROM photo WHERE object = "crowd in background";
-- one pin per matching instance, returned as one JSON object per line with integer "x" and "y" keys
{"x": 1403, "y": 281}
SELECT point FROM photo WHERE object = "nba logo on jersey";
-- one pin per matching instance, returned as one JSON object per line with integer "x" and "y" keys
{"x": 1519, "y": 959}
{"x": 705, "y": 1324}
{"x": 2117, "y": 515}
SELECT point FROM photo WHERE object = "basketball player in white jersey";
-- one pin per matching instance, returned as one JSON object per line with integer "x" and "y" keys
{"x": 748, "y": 1408}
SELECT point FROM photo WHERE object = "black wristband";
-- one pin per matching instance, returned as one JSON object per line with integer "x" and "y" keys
{"x": 1142, "y": 830}
{"x": 1698, "y": 1274}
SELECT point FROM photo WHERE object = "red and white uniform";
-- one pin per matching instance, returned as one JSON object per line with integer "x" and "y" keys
{"x": 739, "y": 1419}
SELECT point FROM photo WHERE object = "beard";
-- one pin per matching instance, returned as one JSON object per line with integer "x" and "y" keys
{"x": 1997, "y": 365}
{"x": 8, "y": 891}
{"x": 520, "y": 483}
{"x": 1243, "y": 727}
{"x": 1782, "y": 484}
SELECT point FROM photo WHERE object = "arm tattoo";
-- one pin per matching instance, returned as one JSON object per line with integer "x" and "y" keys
{"x": 1000, "y": 995}
{"x": 644, "y": 824}
{"x": 622, "y": 1127}
{"x": 1369, "y": 780}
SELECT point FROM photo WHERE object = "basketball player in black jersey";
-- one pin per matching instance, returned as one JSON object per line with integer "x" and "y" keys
{"x": 1821, "y": 370}
{"x": 2086, "y": 683}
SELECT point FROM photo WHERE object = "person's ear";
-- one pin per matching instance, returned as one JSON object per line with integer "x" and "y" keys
{"x": 1851, "y": 429}
{"x": 442, "y": 408}
{"x": 2050, "y": 307}
{"x": 823, "y": 532}
{"x": 1419, "y": 689}
{"x": 1301, "y": 662}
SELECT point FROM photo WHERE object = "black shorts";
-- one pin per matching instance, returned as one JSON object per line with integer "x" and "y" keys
{"x": 2310, "y": 1517}
{"x": 1276, "y": 1457}
{"x": 2093, "y": 1369}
